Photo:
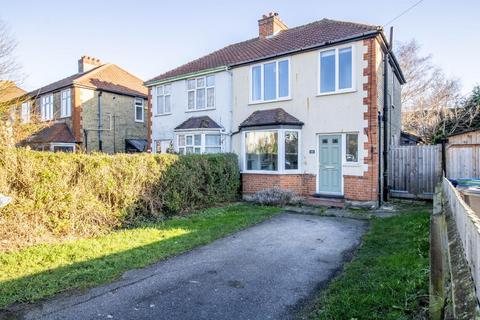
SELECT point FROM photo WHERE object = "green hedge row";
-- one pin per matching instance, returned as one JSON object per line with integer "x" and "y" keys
{"x": 59, "y": 196}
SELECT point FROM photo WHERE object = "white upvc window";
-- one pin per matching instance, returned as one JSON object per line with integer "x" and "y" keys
{"x": 62, "y": 147}
{"x": 66, "y": 103}
{"x": 199, "y": 142}
{"x": 351, "y": 147}
{"x": 46, "y": 107}
{"x": 163, "y": 99}
{"x": 270, "y": 81}
{"x": 139, "y": 110}
{"x": 201, "y": 93}
{"x": 25, "y": 112}
{"x": 163, "y": 146}
{"x": 272, "y": 151}
{"x": 336, "y": 70}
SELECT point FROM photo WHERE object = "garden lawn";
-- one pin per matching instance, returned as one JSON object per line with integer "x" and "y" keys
{"x": 388, "y": 278}
{"x": 44, "y": 270}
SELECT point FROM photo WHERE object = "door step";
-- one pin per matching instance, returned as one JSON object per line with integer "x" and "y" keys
{"x": 318, "y": 201}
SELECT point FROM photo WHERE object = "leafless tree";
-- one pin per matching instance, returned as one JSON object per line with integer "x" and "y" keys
{"x": 432, "y": 103}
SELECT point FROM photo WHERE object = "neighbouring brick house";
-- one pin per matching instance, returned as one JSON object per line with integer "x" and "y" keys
{"x": 309, "y": 109}
{"x": 100, "y": 108}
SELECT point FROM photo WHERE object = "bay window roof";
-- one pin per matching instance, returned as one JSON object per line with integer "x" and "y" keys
{"x": 204, "y": 122}
{"x": 272, "y": 117}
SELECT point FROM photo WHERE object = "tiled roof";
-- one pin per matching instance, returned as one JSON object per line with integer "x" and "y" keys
{"x": 295, "y": 39}
{"x": 108, "y": 77}
{"x": 9, "y": 91}
{"x": 204, "y": 122}
{"x": 270, "y": 117}
{"x": 57, "y": 132}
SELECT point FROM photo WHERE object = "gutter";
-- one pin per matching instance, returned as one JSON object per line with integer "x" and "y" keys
{"x": 203, "y": 72}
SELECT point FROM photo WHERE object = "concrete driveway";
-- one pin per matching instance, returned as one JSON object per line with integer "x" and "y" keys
{"x": 263, "y": 272}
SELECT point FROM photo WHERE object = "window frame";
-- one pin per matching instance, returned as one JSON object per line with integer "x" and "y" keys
{"x": 262, "y": 81}
{"x": 44, "y": 116}
{"x": 281, "y": 151}
{"x": 205, "y": 87}
{"x": 25, "y": 110}
{"x": 337, "y": 70}
{"x": 344, "y": 152}
{"x": 202, "y": 145}
{"x": 163, "y": 95}
{"x": 62, "y": 145}
{"x": 66, "y": 110}
{"x": 136, "y": 106}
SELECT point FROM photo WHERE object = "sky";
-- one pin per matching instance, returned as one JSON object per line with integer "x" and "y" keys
{"x": 148, "y": 37}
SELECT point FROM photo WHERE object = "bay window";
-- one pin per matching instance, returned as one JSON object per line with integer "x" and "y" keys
{"x": 66, "y": 103}
{"x": 46, "y": 108}
{"x": 201, "y": 93}
{"x": 164, "y": 99}
{"x": 336, "y": 70}
{"x": 270, "y": 81}
{"x": 199, "y": 142}
{"x": 272, "y": 150}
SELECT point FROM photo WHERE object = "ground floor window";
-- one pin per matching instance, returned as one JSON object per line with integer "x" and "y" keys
{"x": 62, "y": 147}
{"x": 351, "y": 146}
{"x": 164, "y": 146}
{"x": 199, "y": 142}
{"x": 272, "y": 150}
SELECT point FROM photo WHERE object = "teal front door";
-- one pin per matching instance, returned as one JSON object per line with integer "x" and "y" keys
{"x": 330, "y": 164}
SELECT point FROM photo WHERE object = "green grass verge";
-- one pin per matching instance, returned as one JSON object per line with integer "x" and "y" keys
{"x": 44, "y": 270}
{"x": 388, "y": 278}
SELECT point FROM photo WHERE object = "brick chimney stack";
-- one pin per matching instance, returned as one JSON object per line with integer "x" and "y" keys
{"x": 86, "y": 63}
{"x": 270, "y": 25}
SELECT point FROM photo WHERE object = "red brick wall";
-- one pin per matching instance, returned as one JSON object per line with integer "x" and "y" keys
{"x": 366, "y": 187}
{"x": 301, "y": 184}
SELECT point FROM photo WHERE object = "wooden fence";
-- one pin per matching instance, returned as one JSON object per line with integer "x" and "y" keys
{"x": 414, "y": 171}
{"x": 463, "y": 155}
{"x": 468, "y": 226}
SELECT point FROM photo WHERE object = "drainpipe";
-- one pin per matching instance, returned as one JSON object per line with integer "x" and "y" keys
{"x": 100, "y": 124}
{"x": 386, "y": 116}
{"x": 379, "y": 193}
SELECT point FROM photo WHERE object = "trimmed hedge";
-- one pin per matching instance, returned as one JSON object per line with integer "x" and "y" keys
{"x": 59, "y": 196}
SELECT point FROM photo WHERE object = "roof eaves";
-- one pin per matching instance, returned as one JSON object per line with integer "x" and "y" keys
{"x": 203, "y": 72}
{"x": 265, "y": 124}
{"x": 359, "y": 36}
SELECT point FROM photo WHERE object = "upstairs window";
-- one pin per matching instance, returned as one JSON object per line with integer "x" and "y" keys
{"x": 164, "y": 100}
{"x": 139, "y": 110}
{"x": 66, "y": 103}
{"x": 25, "y": 112}
{"x": 336, "y": 70}
{"x": 201, "y": 93}
{"x": 46, "y": 108}
{"x": 270, "y": 81}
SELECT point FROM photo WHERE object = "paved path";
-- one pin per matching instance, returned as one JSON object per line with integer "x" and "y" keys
{"x": 263, "y": 272}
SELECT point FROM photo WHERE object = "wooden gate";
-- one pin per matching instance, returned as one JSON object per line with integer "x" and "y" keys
{"x": 414, "y": 171}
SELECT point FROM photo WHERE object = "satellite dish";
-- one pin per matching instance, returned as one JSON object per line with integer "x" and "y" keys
{"x": 4, "y": 200}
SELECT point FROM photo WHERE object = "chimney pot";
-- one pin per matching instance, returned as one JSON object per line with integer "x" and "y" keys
{"x": 86, "y": 63}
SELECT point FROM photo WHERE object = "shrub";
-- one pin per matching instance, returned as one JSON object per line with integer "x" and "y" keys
{"x": 275, "y": 197}
{"x": 58, "y": 196}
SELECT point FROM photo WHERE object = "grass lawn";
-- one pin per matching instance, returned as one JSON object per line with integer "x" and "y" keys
{"x": 44, "y": 270}
{"x": 388, "y": 278}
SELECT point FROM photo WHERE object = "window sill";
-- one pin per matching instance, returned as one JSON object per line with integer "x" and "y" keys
{"x": 321, "y": 94}
{"x": 162, "y": 114}
{"x": 352, "y": 164}
{"x": 268, "y": 101}
{"x": 64, "y": 117}
{"x": 199, "y": 110}
{"x": 139, "y": 121}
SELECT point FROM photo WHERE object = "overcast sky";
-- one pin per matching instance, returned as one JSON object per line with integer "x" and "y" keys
{"x": 148, "y": 38}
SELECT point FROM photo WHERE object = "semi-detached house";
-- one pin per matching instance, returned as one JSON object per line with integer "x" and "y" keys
{"x": 313, "y": 109}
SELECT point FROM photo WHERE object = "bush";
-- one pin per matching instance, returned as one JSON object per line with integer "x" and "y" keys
{"x": 58, "y": 196}
{"x": 275, "y": 197}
